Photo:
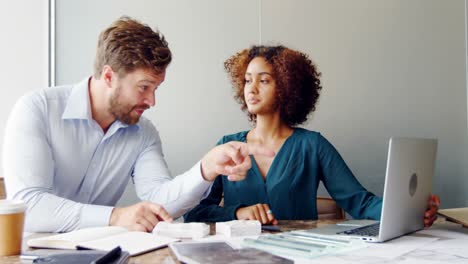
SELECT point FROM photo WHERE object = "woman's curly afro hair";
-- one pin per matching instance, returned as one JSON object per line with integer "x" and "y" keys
{"x": 297, "y": 80}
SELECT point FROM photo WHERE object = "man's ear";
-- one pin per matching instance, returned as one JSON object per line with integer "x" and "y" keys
{"x": 107, "y": 75}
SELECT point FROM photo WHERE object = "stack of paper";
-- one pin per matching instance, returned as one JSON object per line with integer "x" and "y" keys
{"x": 182, "y": 230}
{"x": 239, "y": 228}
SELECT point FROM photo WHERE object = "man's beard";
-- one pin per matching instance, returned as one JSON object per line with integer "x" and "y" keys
{"x": 123, "y": 112}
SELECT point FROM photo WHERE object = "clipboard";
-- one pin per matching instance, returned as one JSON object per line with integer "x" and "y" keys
{"x": 456, "y": 215}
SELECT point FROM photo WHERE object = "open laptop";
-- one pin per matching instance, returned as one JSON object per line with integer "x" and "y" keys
{"x": 408, "y": 185}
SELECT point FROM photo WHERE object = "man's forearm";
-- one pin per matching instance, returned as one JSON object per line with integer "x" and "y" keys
{"x": 177, "y": 195}
{"x": 50, "y": 213}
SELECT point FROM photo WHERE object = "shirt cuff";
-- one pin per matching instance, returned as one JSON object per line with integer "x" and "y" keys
{"x": 196, "y": 188}
{"x": 233, "y": 209}
{"x": 95, "y": 215}
{"x": 200, "y": 184}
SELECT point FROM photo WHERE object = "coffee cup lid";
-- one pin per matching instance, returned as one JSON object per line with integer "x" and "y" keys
{"x": 12, "y": 206}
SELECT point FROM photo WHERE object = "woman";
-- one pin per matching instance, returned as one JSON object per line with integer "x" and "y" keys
{"x": 278, "y": 88}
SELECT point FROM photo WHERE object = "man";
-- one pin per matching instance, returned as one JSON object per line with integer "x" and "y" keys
{"x": 70, "y": 151}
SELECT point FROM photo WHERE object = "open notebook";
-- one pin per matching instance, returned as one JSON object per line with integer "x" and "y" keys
{"x": 103, "y": 238}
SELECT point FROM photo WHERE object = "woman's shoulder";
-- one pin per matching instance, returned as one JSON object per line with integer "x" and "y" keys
{"x": 239, "y": 136}
{"x": 315, "y": 138}
{"x": 308, "y": 137}
{"x": 305, "y": 134}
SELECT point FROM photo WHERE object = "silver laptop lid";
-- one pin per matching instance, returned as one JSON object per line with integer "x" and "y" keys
{"x": 408, "y": 184}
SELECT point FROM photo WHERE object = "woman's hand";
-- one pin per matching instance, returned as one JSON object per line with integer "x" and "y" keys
{"x": 431, "y": 213}
{"x": 260, "y": 212}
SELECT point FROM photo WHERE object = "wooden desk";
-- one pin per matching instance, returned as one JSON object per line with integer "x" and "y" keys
{"x": 164, "y": 255}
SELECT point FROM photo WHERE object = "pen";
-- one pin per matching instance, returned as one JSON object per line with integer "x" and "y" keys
{"x": 109, "y": 256}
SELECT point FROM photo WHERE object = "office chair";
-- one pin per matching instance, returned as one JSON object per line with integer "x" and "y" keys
{"x": 328, "y": 209}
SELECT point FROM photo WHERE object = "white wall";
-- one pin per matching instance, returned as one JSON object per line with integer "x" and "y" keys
{"x": 390, "y": 68}
{"x": 23, "y": 53}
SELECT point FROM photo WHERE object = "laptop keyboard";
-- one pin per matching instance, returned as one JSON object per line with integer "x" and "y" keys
{"x": 370, "y": 230}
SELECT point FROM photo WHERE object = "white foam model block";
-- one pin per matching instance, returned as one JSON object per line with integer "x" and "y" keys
{"x": 182, "y": 230}
{"x": 239, "y": 228}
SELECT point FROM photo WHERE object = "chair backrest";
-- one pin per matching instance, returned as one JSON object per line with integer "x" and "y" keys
{"x": 2, "y": 189}
{"x": 328, "y": 209}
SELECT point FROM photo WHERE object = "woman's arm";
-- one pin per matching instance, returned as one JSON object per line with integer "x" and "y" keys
{"x": 344, "y": 187}
{"x": 209, "y": 210}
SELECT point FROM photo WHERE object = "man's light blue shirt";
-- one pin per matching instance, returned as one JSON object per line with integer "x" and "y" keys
{"x": 58, "y": 159}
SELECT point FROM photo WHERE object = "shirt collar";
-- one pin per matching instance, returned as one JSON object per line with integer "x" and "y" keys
{"x": 79, "y": 107}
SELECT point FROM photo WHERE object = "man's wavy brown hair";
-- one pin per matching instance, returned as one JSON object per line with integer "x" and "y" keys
{"x": 297, "y": 80}
{"x": 128, "y": 45}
